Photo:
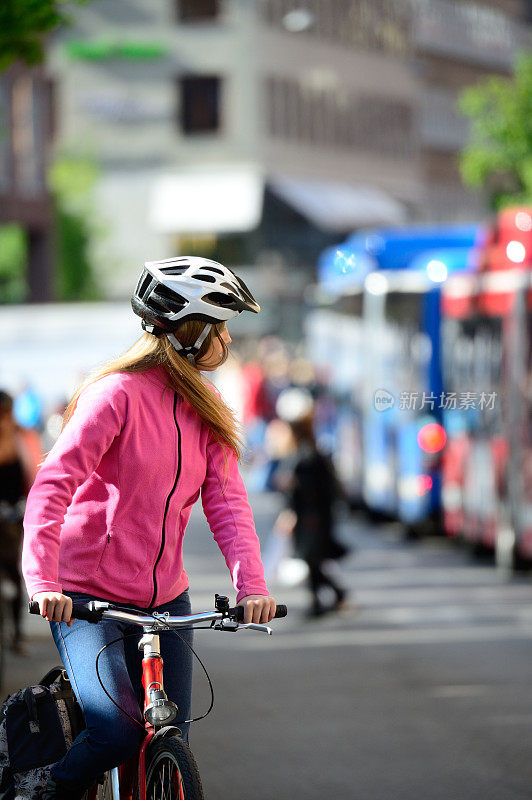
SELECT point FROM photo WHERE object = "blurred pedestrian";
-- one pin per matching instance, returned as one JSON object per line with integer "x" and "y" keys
{"x": 28, "y": 407}
{"x": 19, "y": 456}
{"x": 256, "y": 408}
{"x": 309, "y": 481}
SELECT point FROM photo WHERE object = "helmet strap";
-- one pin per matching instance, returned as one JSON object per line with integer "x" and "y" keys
{"x": 192, "y": 351}
{"x": 149, "y": 328}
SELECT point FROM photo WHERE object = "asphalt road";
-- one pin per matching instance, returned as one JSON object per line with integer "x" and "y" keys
{"x": 420, "y": 690}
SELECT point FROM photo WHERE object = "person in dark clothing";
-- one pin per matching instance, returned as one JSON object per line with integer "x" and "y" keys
{"x": 18, "y": 464}
{"x": 312, "y": 489}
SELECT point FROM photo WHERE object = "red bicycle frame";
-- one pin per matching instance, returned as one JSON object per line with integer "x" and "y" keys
{"x": 152, "y": 680}
{"x": 159, "y": 712}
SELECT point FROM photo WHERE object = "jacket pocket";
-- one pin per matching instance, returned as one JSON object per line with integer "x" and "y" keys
{"x": 125, "y": 554}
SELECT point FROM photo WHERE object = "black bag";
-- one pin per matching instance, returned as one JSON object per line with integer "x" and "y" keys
{"x": 37, "y": 726}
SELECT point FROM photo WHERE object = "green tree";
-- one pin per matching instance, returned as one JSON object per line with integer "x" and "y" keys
{"x": 23, "y": 26}
{"x": 13, "y": 263}
{"x": 498, "y": 157}
{"x": 72, "y": 180}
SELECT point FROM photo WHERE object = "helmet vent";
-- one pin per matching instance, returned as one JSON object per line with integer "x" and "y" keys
{"x": 232, "y": 289}
{"x": 219, "y": 299}
{"x": 159, "y": 308}
{"x": 214, "y": 269}
{"x": 246, "y": 294}
{"x": 173, "y": 270}
{"x": 162, "y": 294}
{"x": 205, "y": 278}
{"x": 144, "y": 284}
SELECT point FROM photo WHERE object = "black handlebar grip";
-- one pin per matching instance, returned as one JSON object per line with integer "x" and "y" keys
{"x": 238, "y": 612}
{"x": 87, "y": 611}
{"x": 91, "y": 611}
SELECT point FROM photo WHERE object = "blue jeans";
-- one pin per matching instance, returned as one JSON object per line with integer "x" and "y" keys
{"x": 111, "y": 737}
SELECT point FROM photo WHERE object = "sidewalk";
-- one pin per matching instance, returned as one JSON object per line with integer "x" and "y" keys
{"x": 40, "y": 655}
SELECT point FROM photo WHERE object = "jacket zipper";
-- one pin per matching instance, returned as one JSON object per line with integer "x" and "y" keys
{"x": 167, "y": 505}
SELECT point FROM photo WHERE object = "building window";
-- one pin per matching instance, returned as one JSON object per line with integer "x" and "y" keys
{"x": 369, "y": 24}
{"x": 197, "y": 10}
{"x": 338, "y": 119}
{"x": 200, "y": 103}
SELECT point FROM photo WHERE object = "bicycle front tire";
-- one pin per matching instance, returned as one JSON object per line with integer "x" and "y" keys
{"x": 172, "y": 772}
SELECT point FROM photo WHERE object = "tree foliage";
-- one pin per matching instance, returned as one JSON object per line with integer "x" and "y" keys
{"x": 13, "y": 263}
{"x": 498, "y": 157}
{"x": 72, "y": 180}
{"x": 23, "y": 25}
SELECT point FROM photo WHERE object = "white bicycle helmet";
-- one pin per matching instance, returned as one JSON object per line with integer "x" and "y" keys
{"x": 175, "y": 290}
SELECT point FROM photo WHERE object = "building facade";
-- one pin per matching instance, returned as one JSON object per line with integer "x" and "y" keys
{"x": 26, "y": 129}
{"x": 262, "y": 130}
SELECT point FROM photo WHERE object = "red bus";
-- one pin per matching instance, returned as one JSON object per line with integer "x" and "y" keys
{"x": 487, "y": 357}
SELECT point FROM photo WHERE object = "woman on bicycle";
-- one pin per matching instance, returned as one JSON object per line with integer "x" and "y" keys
{"x": 105, "y": 519}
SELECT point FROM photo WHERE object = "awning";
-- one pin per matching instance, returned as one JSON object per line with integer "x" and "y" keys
{"x": 209, "y": 200}
{"x": 229, "y": 199}
{"x": 335, "y": 206}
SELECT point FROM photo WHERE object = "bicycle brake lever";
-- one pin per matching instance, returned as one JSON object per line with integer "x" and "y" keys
{"x": 254, "y": 626}
{"x": 226, "y": 625}
{"x": 232, "y": 625}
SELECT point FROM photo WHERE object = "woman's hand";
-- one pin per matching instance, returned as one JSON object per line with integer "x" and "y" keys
{"x": 54, "y": 606}
{"x": 258, "y": 608}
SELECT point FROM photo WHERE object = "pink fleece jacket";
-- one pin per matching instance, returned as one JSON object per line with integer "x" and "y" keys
{"x": 109, "y": 507}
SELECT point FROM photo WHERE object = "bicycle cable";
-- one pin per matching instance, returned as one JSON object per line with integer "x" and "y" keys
{"x": 128, "y": 635}
{"x": 123, "y": 710}
{"x": 207, "y": 627}
{"x": 158, "y": 618}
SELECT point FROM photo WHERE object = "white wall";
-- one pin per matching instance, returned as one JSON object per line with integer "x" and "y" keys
{"x": 53, "y": 346}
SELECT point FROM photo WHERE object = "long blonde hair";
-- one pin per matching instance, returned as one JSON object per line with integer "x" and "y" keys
{"x": 152, "y": 351}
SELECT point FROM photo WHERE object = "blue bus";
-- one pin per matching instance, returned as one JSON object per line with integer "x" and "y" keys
{"x": 348, "y": 263}
{"x": 404, "y": 399}
{"x": 352, "y": 338}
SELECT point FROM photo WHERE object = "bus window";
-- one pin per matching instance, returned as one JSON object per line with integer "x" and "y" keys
{"x": 412, "y": 347}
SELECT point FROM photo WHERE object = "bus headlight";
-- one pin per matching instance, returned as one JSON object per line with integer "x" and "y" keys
{"x": 432, "y": 438}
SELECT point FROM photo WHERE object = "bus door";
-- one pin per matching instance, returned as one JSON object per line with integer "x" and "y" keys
{"x": 487, "y": 449}
{"x": 514, "y": 546}
{"x": 399, "y": 409}
{"x": 525, "y": 513}
{"x": 334, "y": 341}
{"x": 457, "y": 353}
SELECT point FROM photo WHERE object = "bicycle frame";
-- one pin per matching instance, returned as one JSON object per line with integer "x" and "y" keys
{"x": 123, "y": 781}
{"x": 152, "y": 680}
{"x": 122, "y": 778}
{"x": 159, "y": 712}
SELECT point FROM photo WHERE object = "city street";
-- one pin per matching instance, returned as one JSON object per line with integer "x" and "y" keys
{"x": 358, "y": 172}
{"x": 421, "y": 689}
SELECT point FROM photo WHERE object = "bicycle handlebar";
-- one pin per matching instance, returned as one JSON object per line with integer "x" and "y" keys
{"x": 94, "y": 611}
